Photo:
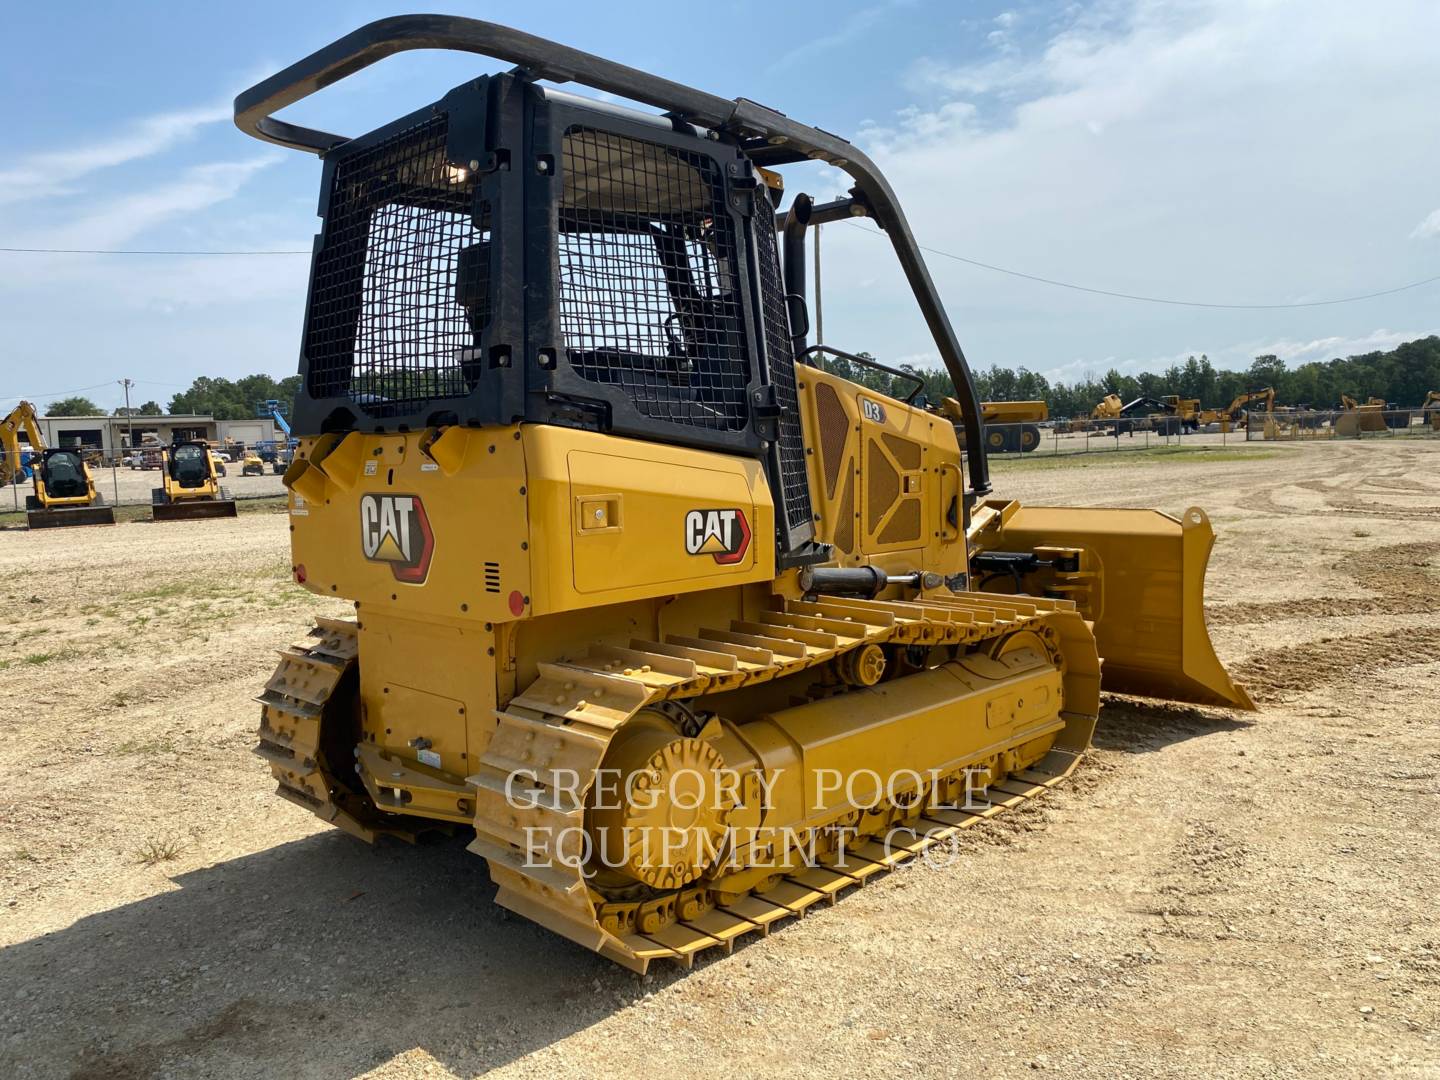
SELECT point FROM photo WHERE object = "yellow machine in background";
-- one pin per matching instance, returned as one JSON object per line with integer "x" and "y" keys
{"x": 190, "y": 485}
{"x": 20, "y": 420}
{"x": 1010, "y": 426}
{"x": 690, "y": 632}
{"x": 64, "y": 487}
{"x": 1356, "y": 418}
{"x": 1430, "y": 409}
{"x": 252, "y": 465}
{"x": 65, "y": 492}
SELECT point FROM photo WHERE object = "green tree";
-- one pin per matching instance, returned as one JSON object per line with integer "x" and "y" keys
{"x": 74, "y": 406}
{"x": 225, "y": 399}
{"x": 150, "y": 408}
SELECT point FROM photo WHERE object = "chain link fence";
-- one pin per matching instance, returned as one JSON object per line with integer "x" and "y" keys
{"x": 1364, "y": 422}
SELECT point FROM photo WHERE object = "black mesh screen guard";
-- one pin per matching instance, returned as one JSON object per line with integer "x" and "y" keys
{"x": 648, "y": 293}
{"x": 400, "y": 292}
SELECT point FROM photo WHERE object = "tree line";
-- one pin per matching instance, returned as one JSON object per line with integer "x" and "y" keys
{"x": 224, "y": 399}
{"x": 1401, "y": 376}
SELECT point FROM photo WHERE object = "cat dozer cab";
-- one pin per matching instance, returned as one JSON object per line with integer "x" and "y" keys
{"x": 65, "y": 492}
{"x": 191, "y": 489}
{"x": 689, "y": 633}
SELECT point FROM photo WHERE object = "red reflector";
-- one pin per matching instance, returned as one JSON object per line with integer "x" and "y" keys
{"x": 517, "y": 603}
{"x": 300, "y": 574}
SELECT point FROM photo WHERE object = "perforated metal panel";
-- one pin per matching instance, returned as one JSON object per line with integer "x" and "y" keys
{"x": 401, "y": 285}
{"x": 649, "y": 298}
{"x": 834, "y": 428}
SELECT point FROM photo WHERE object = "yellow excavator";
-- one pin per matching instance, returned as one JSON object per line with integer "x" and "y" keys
{"x": 64, "y": 486}
{"x": 190, "y": 485}
{"x": 689, "y": 633}
{"x": 1236, "y": 414}
{"x": 21, "y": 420}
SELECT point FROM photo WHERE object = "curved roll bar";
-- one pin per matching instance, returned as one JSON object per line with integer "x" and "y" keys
{"x": 543, "y": 59}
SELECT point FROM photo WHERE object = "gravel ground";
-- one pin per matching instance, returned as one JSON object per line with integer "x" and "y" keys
{"x": 1212, "y": 895}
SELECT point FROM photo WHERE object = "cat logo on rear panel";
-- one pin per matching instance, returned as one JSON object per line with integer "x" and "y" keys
{"x": 722, "y": 534}
{"x": 394, "y": 529}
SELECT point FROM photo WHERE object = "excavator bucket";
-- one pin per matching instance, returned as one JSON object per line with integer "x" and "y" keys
{"x": 1139, "y": 575}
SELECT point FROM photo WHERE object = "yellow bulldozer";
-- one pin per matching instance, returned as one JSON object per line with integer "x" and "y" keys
{"x": 687, "y": 632}
{"x": 64, "y": 492}
{"x": 190, "y": 485}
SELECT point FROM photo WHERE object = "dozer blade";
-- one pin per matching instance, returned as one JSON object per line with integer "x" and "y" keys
{"x": 62, "y": 517}
{"x": 1142, "y": 583}
{"x": 191, "y": 509}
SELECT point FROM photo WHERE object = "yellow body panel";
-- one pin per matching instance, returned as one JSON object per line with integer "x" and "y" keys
{"x": 885, "y": 478}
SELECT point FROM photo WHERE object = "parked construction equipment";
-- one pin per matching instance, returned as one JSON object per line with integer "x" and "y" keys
{"x": 1354, "y": 419}
{"x": 190, "y": 487}
{"x": 65, "y": 492}
{"x": 64, "y": 487}
{"x": 13, "y": 458}
{"x": 1011, "y": 426}
{"x": 1430, "y": 409}
{"x": 693, "y": 634}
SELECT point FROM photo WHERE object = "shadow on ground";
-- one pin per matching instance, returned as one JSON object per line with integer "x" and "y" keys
{"x": 1138, "y": 726}
{"x": 320, "y": 958}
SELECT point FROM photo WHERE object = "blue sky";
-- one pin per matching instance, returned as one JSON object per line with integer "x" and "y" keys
{"x": 1236, "y": 151}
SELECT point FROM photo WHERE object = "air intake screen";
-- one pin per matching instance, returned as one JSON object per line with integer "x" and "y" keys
{"x": 401, "y": 284}
{"x": 782, "y": 367}
{"x": 648, "y": 292}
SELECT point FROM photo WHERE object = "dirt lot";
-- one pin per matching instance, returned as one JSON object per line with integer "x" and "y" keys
{"x": 1214, "y": 895}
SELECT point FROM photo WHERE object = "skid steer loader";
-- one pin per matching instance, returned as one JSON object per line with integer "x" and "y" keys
{"x": 190, "y": 487}
{"x": 692, "y": 634}
{"x": 65, "y": 493}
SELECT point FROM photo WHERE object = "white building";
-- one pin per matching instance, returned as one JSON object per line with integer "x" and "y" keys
{"x": 114, "y": 434}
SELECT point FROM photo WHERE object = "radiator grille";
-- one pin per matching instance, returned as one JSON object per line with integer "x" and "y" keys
{"x": 845, "y": 518}
{"x": 905, "y": 452}
{"x": 648, "y": 294}
{"x": 834, "y": 428}
{"x": 884, "y": 485}
{"x": 401, "y": 283}
{"x": 782, "y": 365}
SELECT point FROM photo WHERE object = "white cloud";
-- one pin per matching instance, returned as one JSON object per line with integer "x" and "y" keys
{"x": 47, "y": 173}
{"x": 117, "y": 220}
{"x": 1228, "y": 151}
{"x": 1429, "y": 227}
{"x": 851, "y": 29}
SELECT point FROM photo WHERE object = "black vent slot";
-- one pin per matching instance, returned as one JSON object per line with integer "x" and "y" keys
{"x": 401, "y": 288}
{"x": 492, "y": 577}
{"x": 649, "y": 295}
{"x": 795, "y": 486}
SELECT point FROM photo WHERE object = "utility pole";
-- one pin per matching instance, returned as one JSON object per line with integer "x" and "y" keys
{"x": 819, "y": 312}
{"x": 130, "y": 416}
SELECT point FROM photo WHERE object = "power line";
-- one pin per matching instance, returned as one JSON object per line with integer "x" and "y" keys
{"x": 132, "y": 251}
{"x": 1158, "y": 299}
{"x": 870, "y": 232}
